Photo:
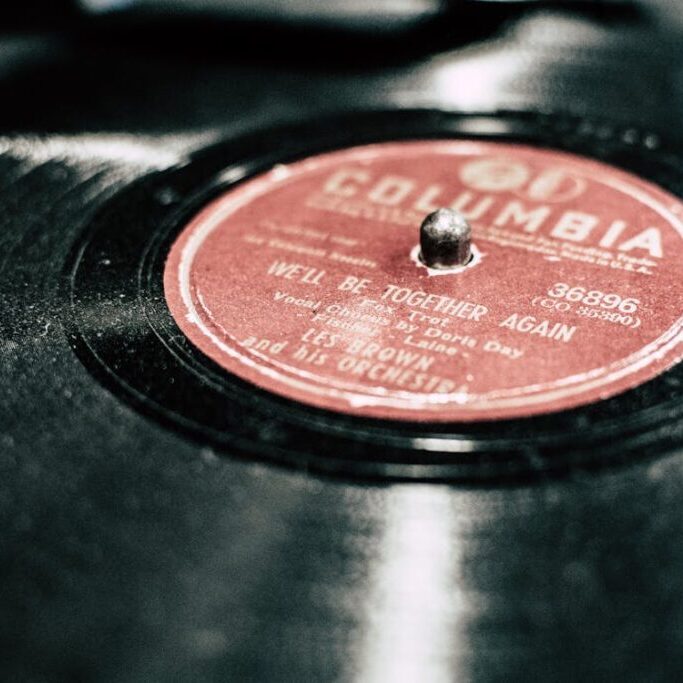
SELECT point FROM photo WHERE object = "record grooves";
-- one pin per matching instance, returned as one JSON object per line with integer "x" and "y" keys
{"x": 259, "y": 423}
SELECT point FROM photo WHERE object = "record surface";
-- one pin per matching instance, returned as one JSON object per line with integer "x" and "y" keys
{"x": 167, "y": 517}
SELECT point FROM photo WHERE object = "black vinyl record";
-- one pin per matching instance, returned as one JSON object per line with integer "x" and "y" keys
{"x": 166, "y": 519}
{"x": 119, "y": 323}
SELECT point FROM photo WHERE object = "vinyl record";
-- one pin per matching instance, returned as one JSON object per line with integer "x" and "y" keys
{"x": 570, "y": 251}
{"x": 247, "y": 435}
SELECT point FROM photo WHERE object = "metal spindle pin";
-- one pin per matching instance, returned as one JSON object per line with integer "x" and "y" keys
{"x": 445, "y": 240}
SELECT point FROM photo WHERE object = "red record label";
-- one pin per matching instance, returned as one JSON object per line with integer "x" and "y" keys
{"x": 305, "y": 281}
